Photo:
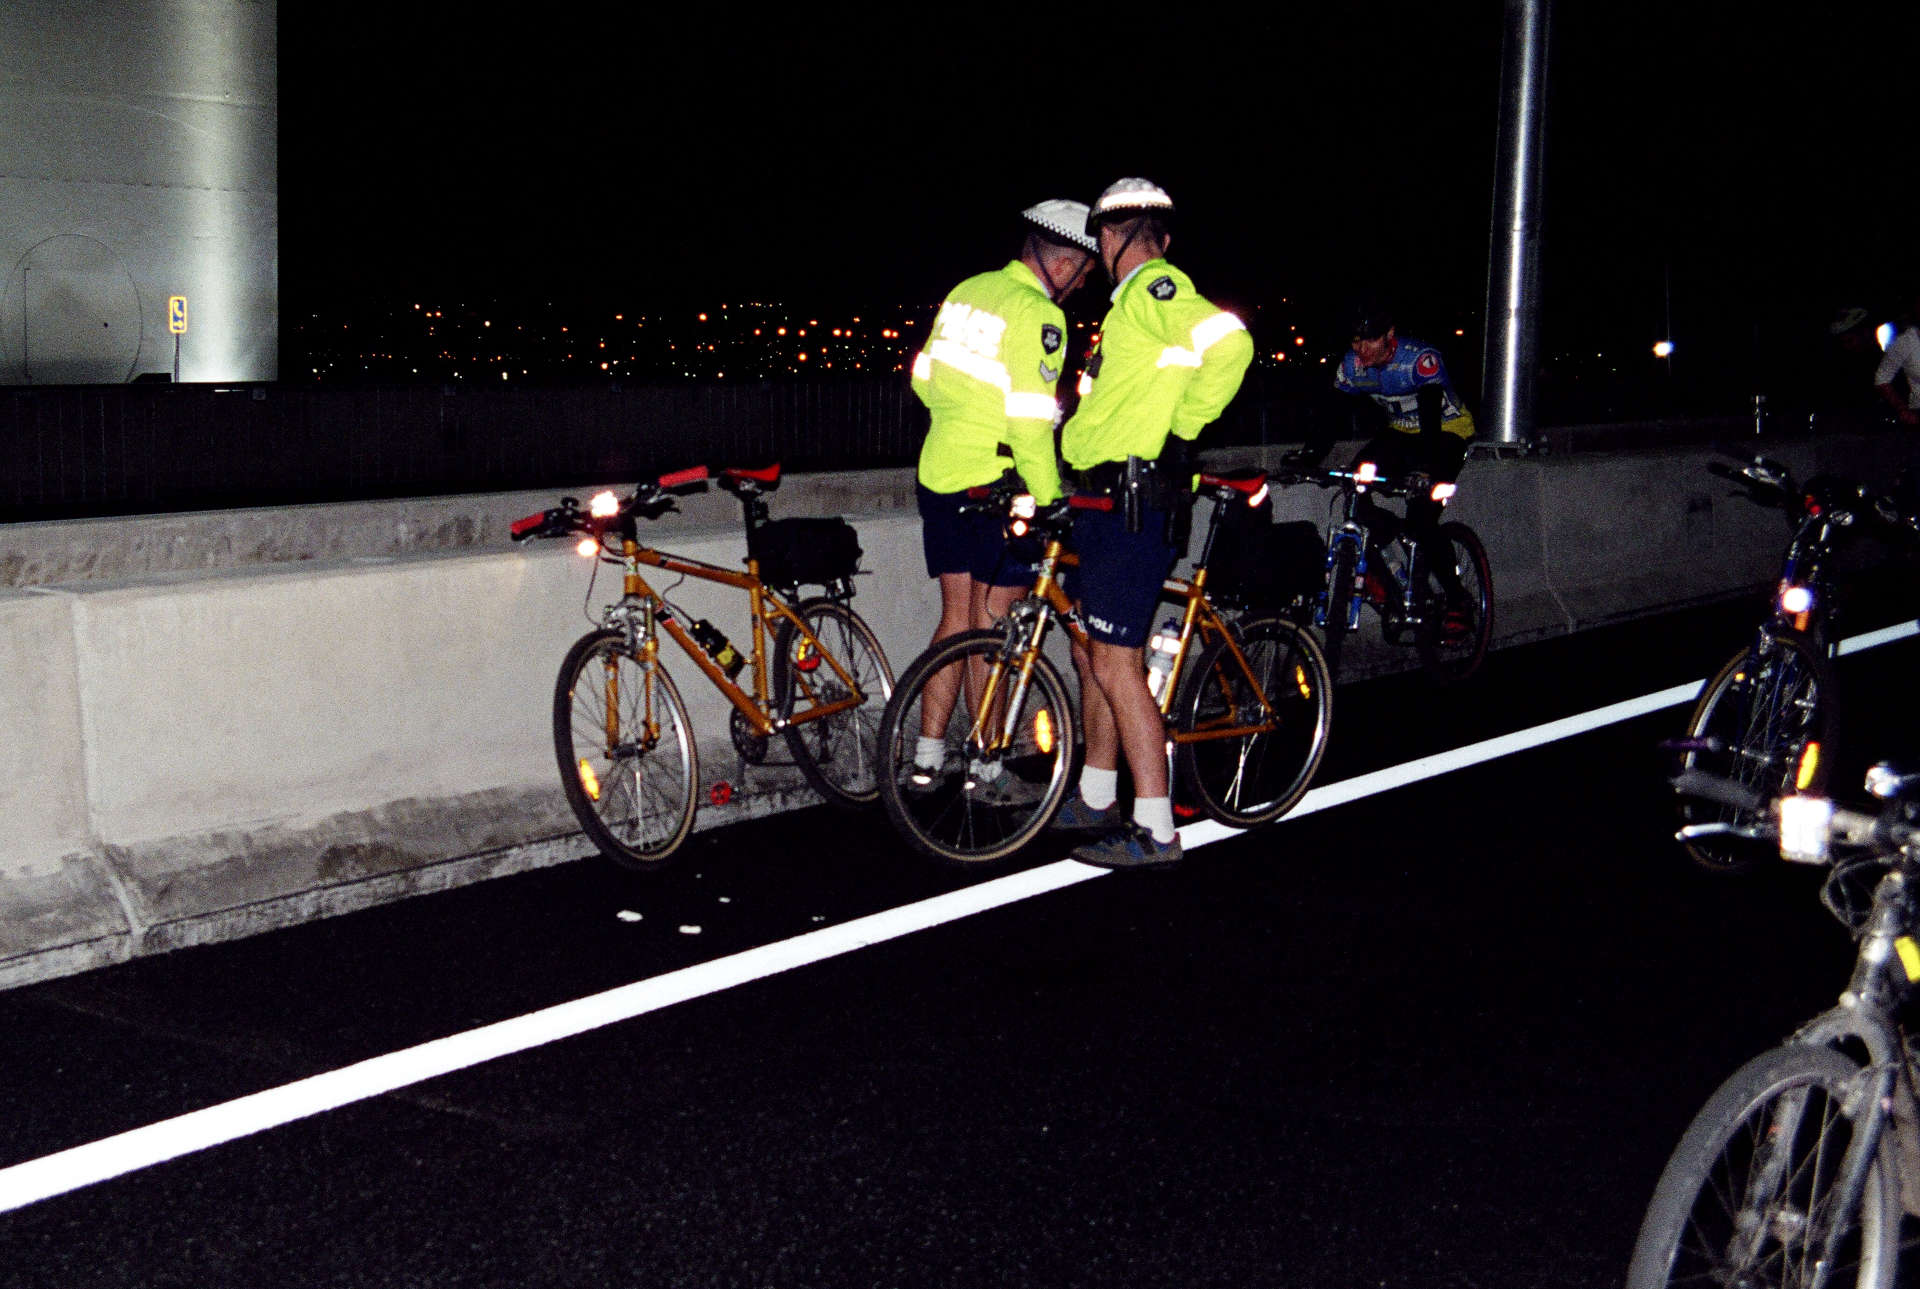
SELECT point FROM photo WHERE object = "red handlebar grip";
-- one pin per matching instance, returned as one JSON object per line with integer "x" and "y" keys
{"x": 1078, "y": 502}
{"x": 692, "y": 474}
{"x": 521, "y": 527}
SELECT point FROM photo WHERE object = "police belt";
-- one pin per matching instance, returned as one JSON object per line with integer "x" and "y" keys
{"x": 1135, "y": 483}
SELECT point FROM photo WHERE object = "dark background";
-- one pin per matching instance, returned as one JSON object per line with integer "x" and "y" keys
{"x": 1756, "y": 165}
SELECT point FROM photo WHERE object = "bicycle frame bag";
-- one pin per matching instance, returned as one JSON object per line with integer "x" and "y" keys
{"x": 805, "y": 552}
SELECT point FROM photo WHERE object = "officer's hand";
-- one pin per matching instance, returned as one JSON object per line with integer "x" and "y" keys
{"x": 1419, "y": 482}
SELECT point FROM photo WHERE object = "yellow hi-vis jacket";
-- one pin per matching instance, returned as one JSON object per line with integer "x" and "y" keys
{"x": 988, "y": 374}
{"x": 1168, "y": 362}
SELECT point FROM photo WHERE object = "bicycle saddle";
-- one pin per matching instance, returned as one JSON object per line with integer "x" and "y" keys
{"x": 751, "y": 482}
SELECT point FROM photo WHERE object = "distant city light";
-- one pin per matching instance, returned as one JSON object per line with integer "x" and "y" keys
{"x": 1663, "y": 349}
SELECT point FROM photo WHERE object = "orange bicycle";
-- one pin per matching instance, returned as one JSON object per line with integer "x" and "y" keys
{"x": 628, "y": 759}
{"x": 1245, "y": 695}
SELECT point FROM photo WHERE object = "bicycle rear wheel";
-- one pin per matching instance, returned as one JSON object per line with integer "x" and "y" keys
{"x": 1243, "y": 780}
{"x": 840, "y": 754}
{"x": 998, "y": 784}
{"x": 1752, "y": 724}
{"x": 1751, "y": 1193}
{"x": 627, "y": 757}
{"x": 1455, "y": 604}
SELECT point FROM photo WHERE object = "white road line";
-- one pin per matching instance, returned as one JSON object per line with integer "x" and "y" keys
{"x": 98, "y": 1161}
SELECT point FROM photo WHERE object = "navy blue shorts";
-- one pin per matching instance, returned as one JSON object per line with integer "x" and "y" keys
{"x": 1120, "y": 575}
{"x": 974, "y": 544}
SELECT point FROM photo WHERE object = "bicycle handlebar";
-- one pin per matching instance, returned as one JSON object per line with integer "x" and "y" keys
{"x": 1805, "y": 826}
{"x": 648, "y": 498}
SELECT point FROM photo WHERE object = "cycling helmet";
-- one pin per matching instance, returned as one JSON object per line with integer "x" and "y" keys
{"x": 1846, "y": 320}
{"x": 1062, "y": 220}
{"x": 1127, "y": 199}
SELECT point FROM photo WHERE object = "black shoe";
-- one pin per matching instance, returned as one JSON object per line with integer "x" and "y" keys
{"x": 1129, "y": 846}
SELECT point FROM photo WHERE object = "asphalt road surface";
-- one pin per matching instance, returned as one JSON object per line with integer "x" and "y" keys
{"x": 1444, "y": 1035}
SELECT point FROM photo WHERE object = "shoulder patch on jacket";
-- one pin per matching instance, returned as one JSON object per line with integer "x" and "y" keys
{"x": 1049, "y": 374}
{"x": 1162, "y": 288}
{"x": 1050, "y": 338}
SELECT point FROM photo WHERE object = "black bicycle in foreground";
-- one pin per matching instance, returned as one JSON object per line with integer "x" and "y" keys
{"x": 1800, "y": 1168}
{"x": 1769, "y": 717}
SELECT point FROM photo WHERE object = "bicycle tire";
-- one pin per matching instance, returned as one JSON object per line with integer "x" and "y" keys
{"x": 1792, "y": 1099}
{"x": 1453, "y": 650}
{"x": 838, "y": 755}
{"x": 1763, "y": 707}
{"x": 1253, "y": 779}
{"x": 1334, "y": 631}
{"x": 633, "y": 798}
{"x": 953, "y": 819}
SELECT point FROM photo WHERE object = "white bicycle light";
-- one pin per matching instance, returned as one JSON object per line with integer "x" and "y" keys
{"x": 1258, "y": 497}
{"x": 588, "y": 547}
{"x": 1366, "y": 472}
{"x": 604, "y": 505}
{"x": 1805, "y": 826}
{"x": 1024, "y": 506}
{"x": 1442, "y": 492}
{"x": 1796, "y": 599}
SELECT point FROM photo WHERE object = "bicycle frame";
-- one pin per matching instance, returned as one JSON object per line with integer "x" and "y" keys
{"x": 765, "y": 608}
{"x": 1029, "y": 617}
{"x": 1350, "y": 530}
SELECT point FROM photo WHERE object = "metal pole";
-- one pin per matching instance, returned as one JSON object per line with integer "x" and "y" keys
{"x": 1513, "y": 257}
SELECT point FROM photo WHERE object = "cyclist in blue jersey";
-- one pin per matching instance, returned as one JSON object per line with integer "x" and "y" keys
{"x": 1428, "y": 427}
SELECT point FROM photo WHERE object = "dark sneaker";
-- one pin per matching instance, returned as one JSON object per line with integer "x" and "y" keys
{"x": 1004, "y": 789}
{"x": 1077, "y": 816}
{"x": 1129, "y": 846}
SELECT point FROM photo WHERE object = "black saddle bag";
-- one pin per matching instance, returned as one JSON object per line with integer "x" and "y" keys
{"x": 805, "y": 552}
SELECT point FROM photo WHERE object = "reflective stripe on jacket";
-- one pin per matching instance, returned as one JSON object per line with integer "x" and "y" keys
{"x": 1168, "y": 362}
{"x": 987, "y": 374}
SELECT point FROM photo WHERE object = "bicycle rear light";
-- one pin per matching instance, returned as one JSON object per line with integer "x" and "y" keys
{"x": 589, "y": 780}
{"x": 1443, "y": 492}
{"x": 1805, "y": 823}
{"x": 604, "y": 505}
{"x": 1809, "y": 767}
{"x": 1796, "y": 599}
{"x": 1043, "y": 730}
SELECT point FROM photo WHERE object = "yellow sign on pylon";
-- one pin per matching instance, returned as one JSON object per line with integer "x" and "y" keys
{"x": 177, "y": 314}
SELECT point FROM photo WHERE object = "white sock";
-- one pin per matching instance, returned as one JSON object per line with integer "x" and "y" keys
{"x": 929, "y": 753}
{"x": 1099, "y": 788}
{"x": 1155, "y": 814}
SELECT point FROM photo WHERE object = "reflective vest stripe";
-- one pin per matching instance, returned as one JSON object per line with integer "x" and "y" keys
{"x": 1037, "y": 407}
{"x": 961, "y": 358}
{"x": 1206, "y": 333}
{"x": 922, "y": 366}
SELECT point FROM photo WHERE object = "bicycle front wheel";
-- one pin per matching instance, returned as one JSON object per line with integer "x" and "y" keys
{"x": 1752, "y": 1195}
{"x": 838, "y": 754}
{"x": 1340, "y": 577}
{"x": 1455, "y": 605}
{"x": 1006, "y": 755}
{"x": 1282, "y": 695}
{"x": 1752, "y": 724}
{"x": 627, "y": 756}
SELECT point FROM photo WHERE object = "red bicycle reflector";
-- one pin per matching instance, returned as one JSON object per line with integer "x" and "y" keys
{"x": 1185, "y": 812}
{"x": 805, "y": 657}
{"x": 720, "y": 793}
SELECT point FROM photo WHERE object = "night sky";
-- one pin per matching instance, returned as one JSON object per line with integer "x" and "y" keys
{"x": 1764, "y": 169}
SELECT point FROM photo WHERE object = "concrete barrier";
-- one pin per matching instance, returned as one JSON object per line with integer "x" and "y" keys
{"x": 263, "y": 717}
